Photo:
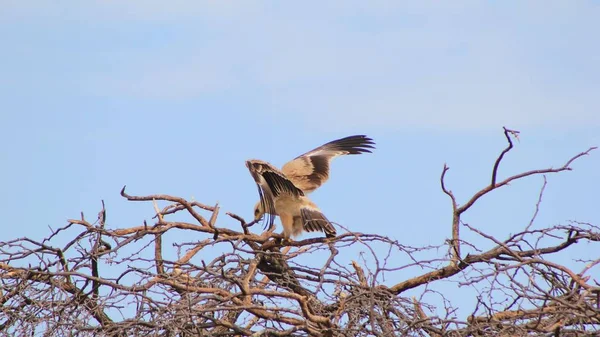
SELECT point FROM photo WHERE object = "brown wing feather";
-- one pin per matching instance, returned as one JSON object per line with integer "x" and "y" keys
{"x": 315, "y": 221}
{"x": 271, "y": 184}
{"x": 311, "y": 170}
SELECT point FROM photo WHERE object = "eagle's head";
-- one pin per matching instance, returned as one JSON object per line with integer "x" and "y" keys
{"x": 259, "y": 212}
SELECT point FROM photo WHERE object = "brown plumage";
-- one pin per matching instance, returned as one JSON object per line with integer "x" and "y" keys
{"x": 280, "y": 197}
{"x": 311, "y": 170}
{"x": 284, "y": 192}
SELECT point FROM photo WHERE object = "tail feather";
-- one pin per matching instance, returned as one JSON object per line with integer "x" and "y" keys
{"x": 315, "y": 221}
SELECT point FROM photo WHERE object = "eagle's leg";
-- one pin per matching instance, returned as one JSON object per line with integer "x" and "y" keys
{"x": 287, "y": 222}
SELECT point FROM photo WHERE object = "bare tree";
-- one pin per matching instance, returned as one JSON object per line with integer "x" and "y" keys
{"x": 237, "y": 282}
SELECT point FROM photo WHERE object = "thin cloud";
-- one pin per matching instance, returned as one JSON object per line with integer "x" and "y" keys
{"x": 391, "y": 66}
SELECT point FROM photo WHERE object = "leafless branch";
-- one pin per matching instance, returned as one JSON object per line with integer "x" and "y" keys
{"x": 86, "y": 279}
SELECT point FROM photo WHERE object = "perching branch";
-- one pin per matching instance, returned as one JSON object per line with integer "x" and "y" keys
{"x": 216, "y": 276}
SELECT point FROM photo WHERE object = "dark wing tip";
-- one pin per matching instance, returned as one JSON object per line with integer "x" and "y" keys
{"x": 268, "y": 220}
{"x": 356, "y": 144}
{"x": 315, "y": 221}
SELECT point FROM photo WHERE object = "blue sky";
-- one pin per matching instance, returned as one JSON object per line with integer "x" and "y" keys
{"x": 99, "y": 94}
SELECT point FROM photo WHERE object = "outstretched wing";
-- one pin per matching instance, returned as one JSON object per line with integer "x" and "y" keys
{"x": 271, "y": 185}
{"x": 311, "y": 170}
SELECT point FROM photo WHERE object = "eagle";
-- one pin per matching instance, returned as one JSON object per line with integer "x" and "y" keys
{"x": 283, "y": 192}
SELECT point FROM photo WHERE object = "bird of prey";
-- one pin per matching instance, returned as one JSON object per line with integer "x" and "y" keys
{"x": 284, "y": 192}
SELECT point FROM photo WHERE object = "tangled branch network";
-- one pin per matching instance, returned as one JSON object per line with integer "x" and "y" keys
{"x": 233, "y": 281}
